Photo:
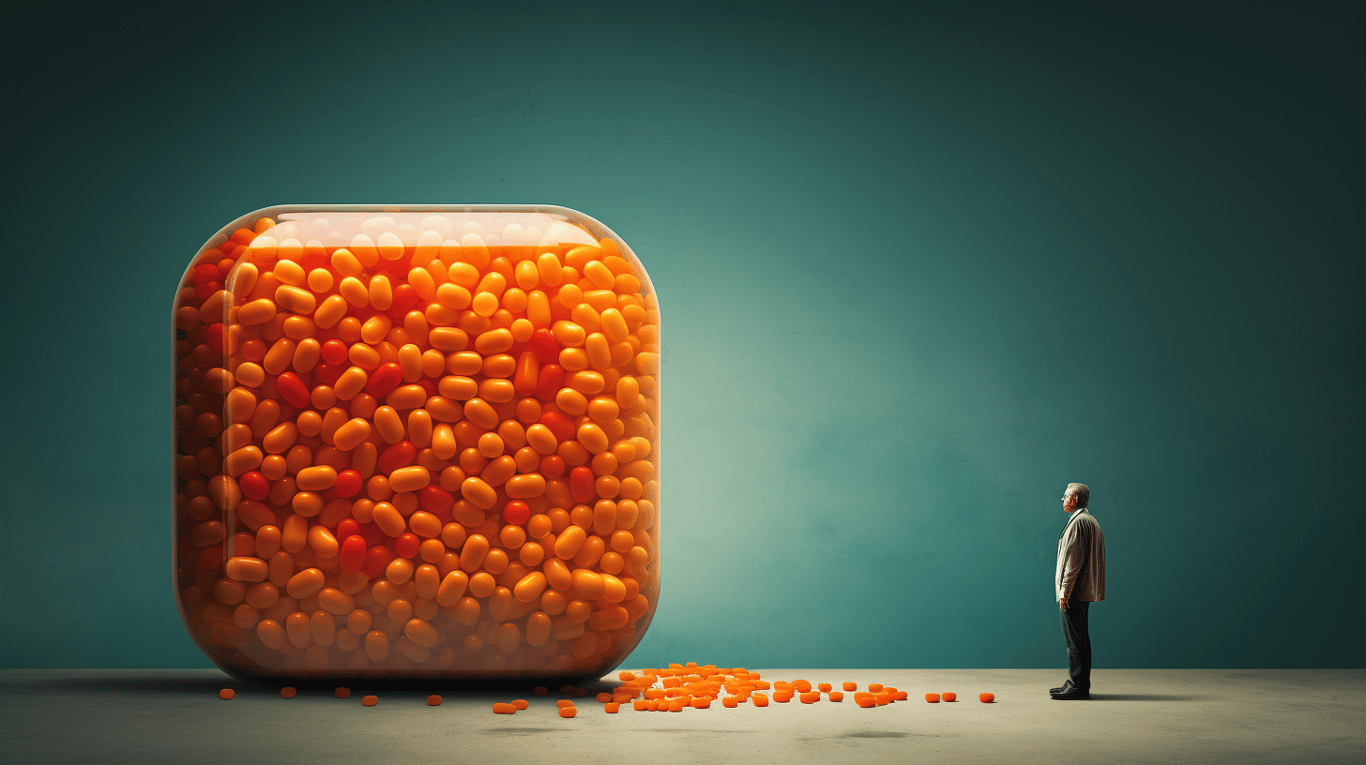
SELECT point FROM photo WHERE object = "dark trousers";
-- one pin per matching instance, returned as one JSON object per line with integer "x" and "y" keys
{"x": 1074, "y": 629}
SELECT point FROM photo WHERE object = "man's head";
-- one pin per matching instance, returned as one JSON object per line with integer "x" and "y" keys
{"x": 1076, "y": 495}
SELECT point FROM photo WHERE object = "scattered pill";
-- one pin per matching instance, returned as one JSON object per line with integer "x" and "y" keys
{"x": 520, "y": 703}
{"x": 568, "y": 711}
{"x": 342, "y": 692}
{"x": 433, "y": 700}
{"x": 369, "y": 701}
{"x": 850, "y": 686}
{"x": 540, "y": 690}
{"x": 603, "y": 697}
{"x": 227, "y": 693}
{"x": 950, "y": 696}
{"x": 987, "y": 698}
{"x": 933, "y": 698}
{"x": 501, "y": 708}
{"x": 288, "y": 692}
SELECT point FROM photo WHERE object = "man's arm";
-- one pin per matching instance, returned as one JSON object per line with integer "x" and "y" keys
{"x": 1075, "y": 544}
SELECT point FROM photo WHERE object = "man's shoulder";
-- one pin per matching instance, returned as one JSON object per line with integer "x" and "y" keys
{"x": 1089, "y": 519}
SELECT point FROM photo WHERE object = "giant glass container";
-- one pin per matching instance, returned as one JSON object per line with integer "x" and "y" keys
{"x": 416, "y": 443}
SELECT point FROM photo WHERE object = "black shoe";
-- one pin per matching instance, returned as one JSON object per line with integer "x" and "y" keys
{"x": 1073, "y": 693}
{"x": 1067, "y": 686}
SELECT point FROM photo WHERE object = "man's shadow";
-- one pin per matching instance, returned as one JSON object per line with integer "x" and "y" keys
{"x": 1148, "y": 697}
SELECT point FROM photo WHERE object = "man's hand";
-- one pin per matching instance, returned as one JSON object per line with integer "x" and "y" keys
{"x": 1063, "y": 603}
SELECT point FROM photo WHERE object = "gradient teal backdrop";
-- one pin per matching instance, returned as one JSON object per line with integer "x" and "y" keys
{"x": 918, "y": 270}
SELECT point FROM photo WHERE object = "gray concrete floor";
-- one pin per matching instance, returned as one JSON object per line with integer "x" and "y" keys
{"x": 1135, "y": 716}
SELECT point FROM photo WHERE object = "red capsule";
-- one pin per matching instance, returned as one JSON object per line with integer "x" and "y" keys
{"x": 206, "y": 272}
{"x": 559, "y": 423}
{"x": 348, "y": 484}
{"x": 384, "y": 379}
{"x": 254, "y": 485}
{"x": 428, "y": 385}
{"x": 224, "y": 268}
{"x": 292, "y": 389}
{"x": 549, "y": 382}
{"x": 516, "y": 512}
{"x": 544, "y": 345}
{"x": 203, "y": 291}
{"x": 353, "y": 553}
{"x": 407, "y": 545}
{"x": 334, "y": 351}
{"x": 581, "y": 484}
{"x": 435, "y": 500}
{"x": 552, "y": 466}
{"x": 405, "y": 299}
{"x": 372, "y": 533}
{"x": 213, "y": 335}
{"x": 327, "y": 374}
{"x": 399, "y": 455}
{"x": 346, "y": 527}
{"x": 525, "y": 381}
{"x": 377, "y": 558}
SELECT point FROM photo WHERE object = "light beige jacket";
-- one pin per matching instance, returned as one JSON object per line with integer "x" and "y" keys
{"x": 1081, "y": 559}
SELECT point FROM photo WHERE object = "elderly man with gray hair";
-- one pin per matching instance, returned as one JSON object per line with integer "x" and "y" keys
{"x": 1079, "y": 582}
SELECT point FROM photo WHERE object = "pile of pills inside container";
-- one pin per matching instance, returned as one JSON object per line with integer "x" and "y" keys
{"x": 416, "y": 450}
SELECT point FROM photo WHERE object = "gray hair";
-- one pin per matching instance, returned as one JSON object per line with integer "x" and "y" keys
{"x": 1082, "y": 492}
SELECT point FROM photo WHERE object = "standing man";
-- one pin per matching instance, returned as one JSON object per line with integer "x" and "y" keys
{"x": 1080, "y": 581}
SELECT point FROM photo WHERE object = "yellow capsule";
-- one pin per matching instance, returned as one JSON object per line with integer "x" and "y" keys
{"x": 647, "y": 363}
{"x": 306, "y": 355}
{"x": 330, "y": 311}
{"x": 571, "y": 402}
{"x": 351, "y": 434}
{"x": 381, "y": 293}
{"x": 406, "y": 397}
{"x": 490, "y": 445}
{"x": 240, "y": 405}
{"x": 389, "y": 425}
{"x": 568, "y": 334}
{"x": 557, "y": 575}
{"x": 316, "y": 478}
{"x": 444, "y": 445}
{"x": 598, "y": 350}
{"x": 409, "y": 478}
{"x": 410, "y": 360}
{"x": 478, "y": 492}
{"x": 540, "y": 438}
{"x": 538, "y": 309}
{"x": 375, "y": 328}
{"x": 587, "y": 382}
{"x": 550, "y": 270}
{"x": 481, "y": 413}
{"x": 592, "y": 437}
{"x": 530, "y": 587}
{"x": 305, "y": 583}
{"x": 628, "y": 392}
{"x": 569, "y": 541}
{"x": 345, "y": 263}
{"x": 525, "y": 486}
{"x": 376, "y": 645}
{"x": 364, "y": 356}
{"x": 499, "y": 365}
{"x": 323, "y": 543}
{"x": 420, "y": 428}
{"x": 493, "y": 341}
{"x": 256, "y": 312}
{"x": 614, "y": 326}
{"x": 600, "y": 300}
{"x": 388, "y": 518}
{"x": 452, "y": 588}
{"x": 294, "y": 299}
{"x": 526, "y": 274}
{"x": 444, "y": 409}
{"x": 496, "y": 390}
{"x": 484, "y": 304}
{"x": 280, "y": 438}
{"x": 242, "y": 460}
{"x": 334, "y": 601}
{"x": 320, "y": 280}
{"x": 570, "y": 295}
{"x": 350, "y": 383}
{"x": 586, "y": 316}
{"x": 573, "y": 359}
{"x": 389, "y": 246}
{"x": 355, "y": 292}
{"x": 246, "y": 569}
{"x": 458, "y": 387}
{"x": 279, "y": 357}
{"x": 589, "y": 584}
{"x": 472, "y": 554}
{"x": 399, "y": 571}
{"x": 603, "y": 409}
{"x": 448, "y": 338}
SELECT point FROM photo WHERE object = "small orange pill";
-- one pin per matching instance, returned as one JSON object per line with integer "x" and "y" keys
{"x": 987, "y": 698}
{"x": 433, "y": 700}
{"x": 501, "y": 708}
{"x": 950, "y": 696}
{"x": 603, "y": 697}
{"x": 562, "y": 703}
{"x": 933, "y": 698}
{"x": 850, "y": 686}
{"x": 760, "y": 700}
{"x": 810, "y": 697}
{"x": 568, "y": 711}
{"x": 288, "y": 692}
{"x": 226, "y": 693}
{"x": 836, "y": 696}
{"x": 520, "y": 703}
{"x": 824, "y": 687}
{"x": 343, "y": 692}
{"x": 730, "y": 702}
{"x": 540, "y": 690}
{"x": 610, "y": 708}
{"x": 369, "y": 701}
{"x": 874, "y": 687}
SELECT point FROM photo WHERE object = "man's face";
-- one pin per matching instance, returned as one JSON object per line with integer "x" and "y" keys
{"x": 1069, "y": 502}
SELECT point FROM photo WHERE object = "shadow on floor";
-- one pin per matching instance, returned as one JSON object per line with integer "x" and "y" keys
{"x": 1148, "y": 697}
{"x": 193, "y": 685}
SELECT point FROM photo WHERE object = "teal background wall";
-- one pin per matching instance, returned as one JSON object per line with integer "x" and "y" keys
{"x": 919, "y": 269}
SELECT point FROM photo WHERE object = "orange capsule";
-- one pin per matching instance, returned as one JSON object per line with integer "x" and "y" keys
{"x": 227, "y": 693}
{"x": 987, "y": 698}
{"x": 369, "y": 701}
{"x": 950, "y": 696}
{"x": 933, "y": 698}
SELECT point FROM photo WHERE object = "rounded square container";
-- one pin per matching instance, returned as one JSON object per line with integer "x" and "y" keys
{"x": 416, "y": 443}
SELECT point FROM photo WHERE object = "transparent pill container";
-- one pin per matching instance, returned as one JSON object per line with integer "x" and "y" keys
{"x": 416, "y": 443}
